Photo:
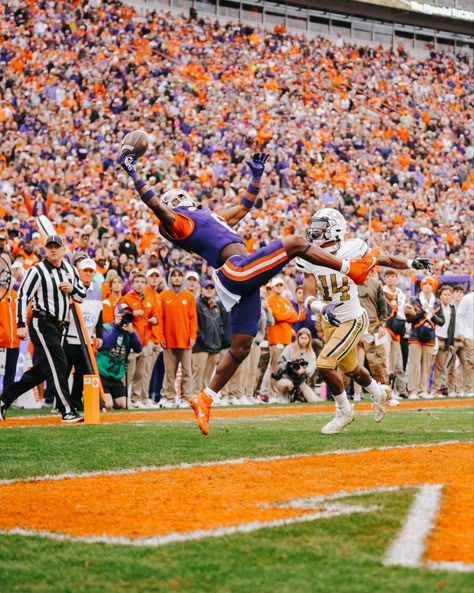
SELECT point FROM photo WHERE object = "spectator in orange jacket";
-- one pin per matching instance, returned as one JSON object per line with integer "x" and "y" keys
{"x": 145, "y": 316}
{"x": 279, "y": 334}
{"x": 8, "y": 336}
{"x": 109, "y": 303}
{"x": 29, "y": 256}
{"x": 179, "y": 336}
{"x": 153, "y": 348}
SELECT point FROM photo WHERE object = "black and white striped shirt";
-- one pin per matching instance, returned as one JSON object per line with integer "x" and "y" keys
{"x": 41, "y": 285}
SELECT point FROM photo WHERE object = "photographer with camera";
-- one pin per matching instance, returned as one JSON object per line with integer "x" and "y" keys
{"x": 119, "y": 339}
{"x": 296, "y": 365}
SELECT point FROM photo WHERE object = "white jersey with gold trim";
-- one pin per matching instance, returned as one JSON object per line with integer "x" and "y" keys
{"x": 334, "y": 287}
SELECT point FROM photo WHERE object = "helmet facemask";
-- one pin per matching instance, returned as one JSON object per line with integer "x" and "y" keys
{"x": 325, "y": 229}
{"x": 175, "y": 198}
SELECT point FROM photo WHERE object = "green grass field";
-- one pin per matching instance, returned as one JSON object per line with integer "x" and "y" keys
{"x": 339, "y": 554}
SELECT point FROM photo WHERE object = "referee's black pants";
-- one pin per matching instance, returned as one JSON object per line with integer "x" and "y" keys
{"x": 75, "y": 358}
{"x": 51, "y": 365}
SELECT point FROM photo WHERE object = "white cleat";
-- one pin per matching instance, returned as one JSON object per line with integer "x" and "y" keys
{"x": 339, "y": 422}
{"x": 379, "y": 402}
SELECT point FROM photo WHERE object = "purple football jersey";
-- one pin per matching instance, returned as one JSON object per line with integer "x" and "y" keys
{"x": 209, "y": 234}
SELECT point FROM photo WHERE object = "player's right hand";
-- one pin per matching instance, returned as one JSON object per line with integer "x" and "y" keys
{"x": 127, "y": 161}
{"x": 257, "y": 164}
{"x": 329, "y": 314}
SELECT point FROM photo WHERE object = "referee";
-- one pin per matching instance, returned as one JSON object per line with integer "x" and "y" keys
{"x": 49, "y": 285}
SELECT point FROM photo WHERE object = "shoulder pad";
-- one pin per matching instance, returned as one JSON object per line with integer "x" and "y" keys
{"x": 353, "y": 248}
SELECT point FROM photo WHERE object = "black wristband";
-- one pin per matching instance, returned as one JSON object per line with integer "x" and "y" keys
{"x": 253, "y": 189}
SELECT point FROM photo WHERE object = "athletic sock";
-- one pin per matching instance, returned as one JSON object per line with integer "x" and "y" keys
{"x": 212, "y": 394}
{"x": 342, "y": 402}
{"x": 373, "y": 388}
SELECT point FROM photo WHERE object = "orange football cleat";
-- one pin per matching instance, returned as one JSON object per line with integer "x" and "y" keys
{"x": 360, "y": 268}
{"x": 201, "y": 404}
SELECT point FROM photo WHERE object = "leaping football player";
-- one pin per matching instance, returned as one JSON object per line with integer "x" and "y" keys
{"x": 237, "y": 275}
{"x": 348, "y": 321}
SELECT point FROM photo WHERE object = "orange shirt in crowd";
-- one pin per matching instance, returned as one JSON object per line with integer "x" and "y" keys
{"x": 146, "y": 240}
{"x": 108, "y": 308}
{"x": 141, "y": 323}
{"x": 284, "y": 315}
{"x": 250, "y": 244}
{"x": 156, "y": 330}
{"x": 8, "y": 337}
{"x": 105, "y": 289}
{"x": 179, "y": 318}
{"x": 28, "y": 259}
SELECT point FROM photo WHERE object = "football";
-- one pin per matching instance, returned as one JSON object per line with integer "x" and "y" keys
{"x": 135, "y": 143}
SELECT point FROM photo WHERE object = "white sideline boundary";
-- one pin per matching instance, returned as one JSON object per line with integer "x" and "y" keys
{"x": 429, "y": 410}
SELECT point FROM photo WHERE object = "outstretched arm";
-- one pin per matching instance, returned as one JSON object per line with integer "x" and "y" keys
{"x": 234, "y": 214}
{"x": 402, "y": 263}
{"x": 165, "y": 214}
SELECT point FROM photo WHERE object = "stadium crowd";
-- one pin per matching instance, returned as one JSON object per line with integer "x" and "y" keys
{"x": 381, "y": 135}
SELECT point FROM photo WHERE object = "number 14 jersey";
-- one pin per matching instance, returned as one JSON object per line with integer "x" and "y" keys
{"x": 334, "y": 287}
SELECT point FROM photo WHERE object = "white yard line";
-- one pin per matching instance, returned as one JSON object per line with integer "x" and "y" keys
{"x": 241, "y": 460}
{"x": 170, "y": 538}
{"x": 409, "y": 546}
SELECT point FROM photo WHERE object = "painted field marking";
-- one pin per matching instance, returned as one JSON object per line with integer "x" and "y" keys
{"x": 146, "y": 507}
{"x": 408, "y": 547}
{"x": 235, "y": 413}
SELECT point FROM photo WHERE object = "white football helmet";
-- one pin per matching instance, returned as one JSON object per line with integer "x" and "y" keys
{"x": 177, "y": 197}
{"x": 326, "y": 225}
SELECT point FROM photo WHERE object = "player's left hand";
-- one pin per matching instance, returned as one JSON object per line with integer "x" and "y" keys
{"x": 127, "y": 161}
{"x": 257, "y": 164}
{"x": 329, "y": 314}
{"x": 422, "y": 263}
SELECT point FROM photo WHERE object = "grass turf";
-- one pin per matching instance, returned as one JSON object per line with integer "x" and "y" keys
{"x": 341, "y": 554}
